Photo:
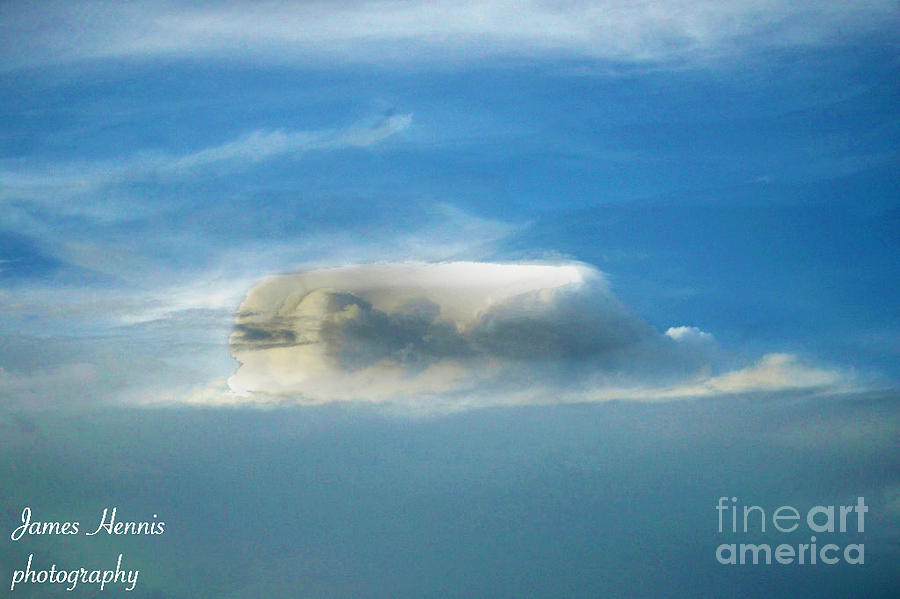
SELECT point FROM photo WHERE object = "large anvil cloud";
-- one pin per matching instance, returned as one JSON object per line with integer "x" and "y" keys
{"x": 464, "y": 333}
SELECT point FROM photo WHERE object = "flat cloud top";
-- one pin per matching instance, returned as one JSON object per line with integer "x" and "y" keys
{"x": 462, "y": 290}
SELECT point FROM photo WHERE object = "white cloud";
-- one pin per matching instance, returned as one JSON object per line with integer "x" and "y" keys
{"x": 262, "y": 144}
{"x": 460, "y": 334}
{"x": 773, "y": 372}
{"x": 416, "y": 31}
{"x": 389, "y": 330}
{"x": 53, "y": 183}
{"x": 688, "y": 334}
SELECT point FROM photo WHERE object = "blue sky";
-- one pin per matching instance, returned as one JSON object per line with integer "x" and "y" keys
{"x": 718, "y": 183}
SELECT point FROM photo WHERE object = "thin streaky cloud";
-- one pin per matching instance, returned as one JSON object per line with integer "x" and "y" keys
{"x": 263, "y": 144}
{"x": 256, "y": 146}
{"x": 407, "y": 32}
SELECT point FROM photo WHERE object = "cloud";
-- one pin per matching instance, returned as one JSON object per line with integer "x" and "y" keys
{"x": 40, "y": 33}
{"x": 688, "y": 334}
{"x": 262, "y": 144}
{"x": 772, "y": 372}
{"x": 73, "y": 212}
{"x": 34, "y": 388}
{"x": 390, "y": 329}
{"x": 457, "y": 334}
{"x": 383, "y": 331}
{"x": 62, "y": 181}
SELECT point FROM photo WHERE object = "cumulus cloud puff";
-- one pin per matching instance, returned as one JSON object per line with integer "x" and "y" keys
{"x": 688, "y": 334}
{"x": 464, "y": 333}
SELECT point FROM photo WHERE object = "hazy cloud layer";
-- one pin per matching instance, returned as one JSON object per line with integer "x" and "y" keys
{"x": 410, "y": 32}
{"x": 32, "y": 388}
{"x": 464, "y": 333}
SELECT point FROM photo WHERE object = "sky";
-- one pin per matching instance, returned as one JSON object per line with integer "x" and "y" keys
{"x": 510, "y": 292}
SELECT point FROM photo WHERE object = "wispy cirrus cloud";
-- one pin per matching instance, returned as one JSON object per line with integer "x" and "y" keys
{"x": 263, "y": 144}
{"x": 366, "y": 31}
{"x": 50, "y": 183}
